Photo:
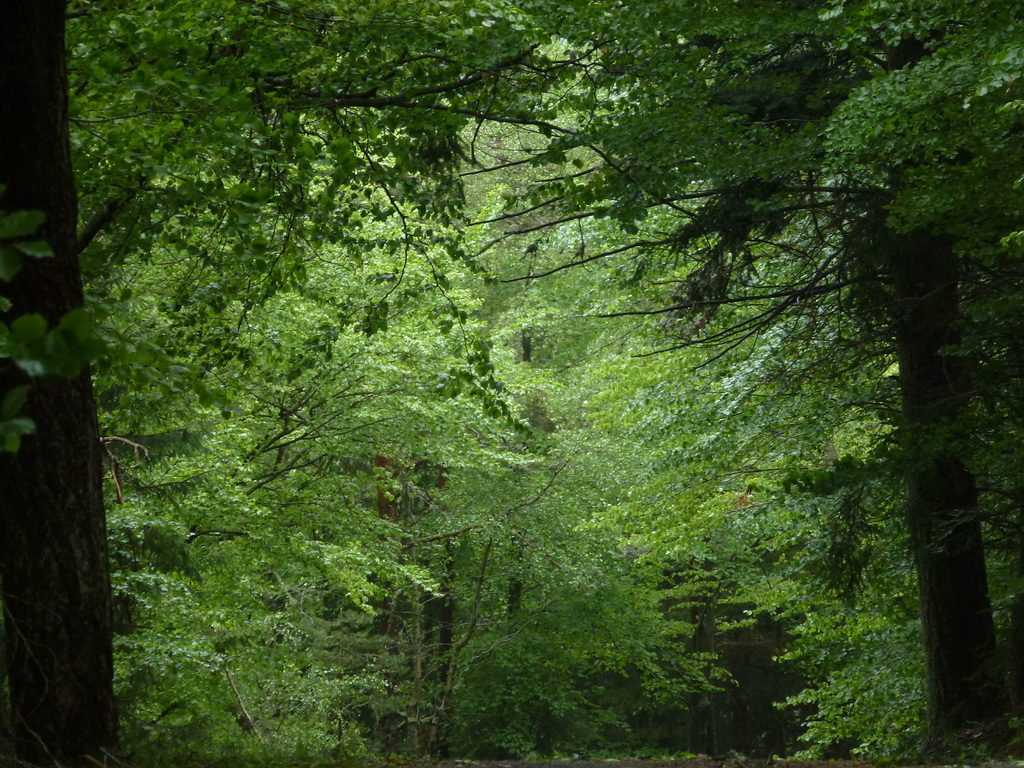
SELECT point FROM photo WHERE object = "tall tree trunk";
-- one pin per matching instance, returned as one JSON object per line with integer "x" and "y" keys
{"x": 5, "y": 712}
{"x": 1016, "y": 634}
{"x": 703, "y": 617}
{"x": 442, "y": 713}
{"x": 387, "y": 503}
{"x": 941, "y": 497}
{"x": 53, "y": 545}
{"x": 391, "y": 719}
{"x": 436, "y": 742}
{"x": 416, "y": 730}
{"x": 515, "y": 582}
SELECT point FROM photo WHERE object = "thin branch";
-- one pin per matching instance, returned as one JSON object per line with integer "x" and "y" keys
{"x": 512, "y": 636}
{"x": 101, "y": 218}
{"x": 453, "y": 658}
{"x": 516, "y": 534}
{"x": 569, "y": 176}
{"x": 735, "y": 335}
{"x": 441, "y": 536}
{"x": 501, "y": 167}
{"x": 249, "y": 724}
{"x": 555, "y": 472}
{"x": 490, "y": 117}
{"x": 515, "y": 214}
{"x": 370, "y": 99}
{"x": 803, "y": 293}
{"x": 595, "y": 257}
{"x": 219, "y": 535}
{"x": 140, "y": 450}
{"x": 129, "y": 116}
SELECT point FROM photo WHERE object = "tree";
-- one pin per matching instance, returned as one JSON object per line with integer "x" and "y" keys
{"x": 827, "y": 163}
{"x": 823, "y": 195}
{"x": 53, "y": 547}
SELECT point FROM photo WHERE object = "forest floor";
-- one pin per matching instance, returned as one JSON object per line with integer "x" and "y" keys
{"x": 693, "y": 762}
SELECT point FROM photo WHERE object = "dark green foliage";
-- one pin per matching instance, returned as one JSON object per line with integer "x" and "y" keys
{"x": 383, "y": 475}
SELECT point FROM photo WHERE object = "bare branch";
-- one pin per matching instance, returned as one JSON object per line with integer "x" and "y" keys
{"x": 441, "y": 536}
{"x": 501, "y": 167}
{"x": 101, "y": 218}
{"x": 799, "y": 292}
{"x": 248, "y": 722}
{"x": 595, "y": 257}
{"x": 370, "y": 99}
{"x": 514, "y": 214}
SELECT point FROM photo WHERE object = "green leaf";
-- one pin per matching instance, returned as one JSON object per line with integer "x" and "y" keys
{"x": 20, "y": 224}
{"x": 32, "y": 366}
{"x": 376, "y": 318}
{"x": 79, "y": 323}
{"x": 29, "y": 328}
{"x": 10, "y": 263}
{"x": 18, "y": 426}
{"x": 13, "y": 402}
{"x": 38, "y": 248}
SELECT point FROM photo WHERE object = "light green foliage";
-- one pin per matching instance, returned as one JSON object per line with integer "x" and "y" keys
{"x": 759, "y": 160}
{"x": 273, "y": 519}
{"x": 269, "y": 563}
{"x": 383, "y": 473}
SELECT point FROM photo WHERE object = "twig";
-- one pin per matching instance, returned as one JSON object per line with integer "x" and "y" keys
{"x": 249, "y": 724}
{"x": 137, "y": 446}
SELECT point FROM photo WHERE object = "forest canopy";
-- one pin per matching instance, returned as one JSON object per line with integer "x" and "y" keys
{"x": 478, "y": 379}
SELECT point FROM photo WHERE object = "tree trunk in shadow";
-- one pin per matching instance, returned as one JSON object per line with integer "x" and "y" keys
{"x": 53, "y": 543}
{"x": 1015, "y": 641}
{"x": 702, "y": 711}
{"x": 442, "y": 713}
{"x": 941, "y": 497}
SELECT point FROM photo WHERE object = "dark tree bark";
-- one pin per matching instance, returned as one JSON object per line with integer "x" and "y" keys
{"x": 387, "y": 506}
{"x": 1016, "y": 638}
{"x": 703, "y": 617}
{"x": 515, "y": 583}
{"x": 5, "y": 713}
{"x": 941, "y": 502}
{"x": 53, "y": 546}
{"x": 446, "y": 620}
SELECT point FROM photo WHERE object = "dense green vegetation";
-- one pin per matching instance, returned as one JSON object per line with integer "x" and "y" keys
{"x": 482, "y": 379}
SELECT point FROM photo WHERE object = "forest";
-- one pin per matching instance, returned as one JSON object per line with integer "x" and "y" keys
{"x": 511, "y": 379}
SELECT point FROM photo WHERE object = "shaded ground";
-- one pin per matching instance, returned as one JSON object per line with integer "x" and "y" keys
{"x": 695, "y": 762}
{"x": 692, "y": 762}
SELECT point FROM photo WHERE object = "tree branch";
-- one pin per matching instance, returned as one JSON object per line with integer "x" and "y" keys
{"x": 595, "y": 257}
{"x": 799, "y": 293}
{"x": 101, "y": 218}
{"x": 370, "y": 99}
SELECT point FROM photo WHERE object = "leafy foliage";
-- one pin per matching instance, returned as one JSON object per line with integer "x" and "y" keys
{"x": 501, "y": 379}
